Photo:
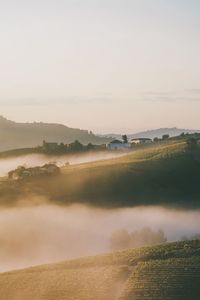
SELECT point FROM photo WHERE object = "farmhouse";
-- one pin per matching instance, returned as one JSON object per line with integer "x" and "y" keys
{"x": 118, "y": 145}
{"x": 22, "y": 172}
{"x": 141, "y": 141}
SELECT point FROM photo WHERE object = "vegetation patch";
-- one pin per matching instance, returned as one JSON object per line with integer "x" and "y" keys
{"x": 170, "y": 271}
{"x": 166, "y": 174}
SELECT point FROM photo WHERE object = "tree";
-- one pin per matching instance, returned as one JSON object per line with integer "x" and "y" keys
{"x": 90, "y": 146}
{"x": 122, "y": 239}
{"x": 156, "y": 139}
{"x": 62, "y": 148}
{"x": 124, "y": 138}
{"x": 76, "y": 146}
{"x": 165, "y": 136}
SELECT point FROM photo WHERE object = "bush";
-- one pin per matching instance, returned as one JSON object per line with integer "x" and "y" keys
{"x": 122, "y": 239}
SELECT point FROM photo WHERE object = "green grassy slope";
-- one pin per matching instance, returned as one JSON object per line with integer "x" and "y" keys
{"x": 171, "y": 279}
{"x": 163, "y": 272}
{"x": 161, "y": 174}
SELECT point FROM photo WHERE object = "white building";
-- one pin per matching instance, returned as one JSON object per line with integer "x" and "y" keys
{"x": 141, "y": 141}
{"x": 118, "y": 145}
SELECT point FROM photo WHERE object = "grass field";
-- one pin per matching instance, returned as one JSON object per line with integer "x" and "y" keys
{"x": 169, "y": 279}
{"x": 17, "y": 152}
{"x": 166, "y": 174}
{"x": 163, "y": 272}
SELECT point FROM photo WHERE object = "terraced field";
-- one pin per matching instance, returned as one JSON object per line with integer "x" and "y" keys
{"x": 165, "y": 279}
{"x": 163, "y": 272}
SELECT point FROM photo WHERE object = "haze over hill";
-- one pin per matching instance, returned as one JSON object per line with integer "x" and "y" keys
{"x": 156, "y": 133}
{"x": 147, "y": 176}
{"x": 15, "y": 135}
{"x": 163, "y": 272}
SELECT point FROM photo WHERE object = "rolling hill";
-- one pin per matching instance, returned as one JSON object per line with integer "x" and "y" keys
{"x": 151, "y": 134}
{"x": 161, "y": 174}
{"x": 163, "y": 272}
{"x": 15, "y": 135}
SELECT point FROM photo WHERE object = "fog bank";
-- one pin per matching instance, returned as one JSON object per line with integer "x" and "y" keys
{"x": 32, "y": 160}
{"x": 48, "y": 233}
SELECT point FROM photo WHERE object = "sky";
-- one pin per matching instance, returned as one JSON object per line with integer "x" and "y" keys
{"x": 103, "y": 65}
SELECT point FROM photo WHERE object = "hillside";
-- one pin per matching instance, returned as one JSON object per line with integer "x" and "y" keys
{"x": 165, "y": 174}
{"x": 15, "y": 135}
{"x": 25, "y": 135}
{"x": 164, "y": 272}
{"x": 156, "y": 133}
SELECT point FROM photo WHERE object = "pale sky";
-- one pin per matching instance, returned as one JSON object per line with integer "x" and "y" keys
{"x": 103, "y": 65}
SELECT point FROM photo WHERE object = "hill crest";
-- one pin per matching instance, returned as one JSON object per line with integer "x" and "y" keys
{"x": 14, "y": 135}
{"x": 172, "y": 132}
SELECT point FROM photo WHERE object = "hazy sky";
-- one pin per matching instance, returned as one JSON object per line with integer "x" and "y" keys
{"x": 105, "y": 65}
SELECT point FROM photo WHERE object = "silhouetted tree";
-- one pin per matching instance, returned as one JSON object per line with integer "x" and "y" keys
{"x": 76, "y": 146}
{"x": 122, "y": 239}
{"x": 90, "y": 146}
{"x": 62, "y": 148}
{"x": 165, "y": 136}
{"x": 124, "y": 138}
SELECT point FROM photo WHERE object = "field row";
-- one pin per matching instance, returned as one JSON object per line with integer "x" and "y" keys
{"x": 165, "y": 279}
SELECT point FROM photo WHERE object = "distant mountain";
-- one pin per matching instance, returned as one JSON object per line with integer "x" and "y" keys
{"x": 15, "y": 135}
{"x": 155, "y": 133}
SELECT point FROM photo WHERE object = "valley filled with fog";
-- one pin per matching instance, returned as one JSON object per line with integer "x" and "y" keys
{"x": 33, "y": 160}
{"x": 44, "y": 233}
{"x": 34, "y": 230}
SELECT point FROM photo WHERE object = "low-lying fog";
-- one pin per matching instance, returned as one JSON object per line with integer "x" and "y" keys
{"x": 33, "y": 160}
{"x": 47, "y": 233}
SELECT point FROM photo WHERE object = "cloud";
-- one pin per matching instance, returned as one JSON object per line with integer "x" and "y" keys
{"x": 58, "y": 100}
{"x": 193, "y": 91}
{"x": 185, "y": 95}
